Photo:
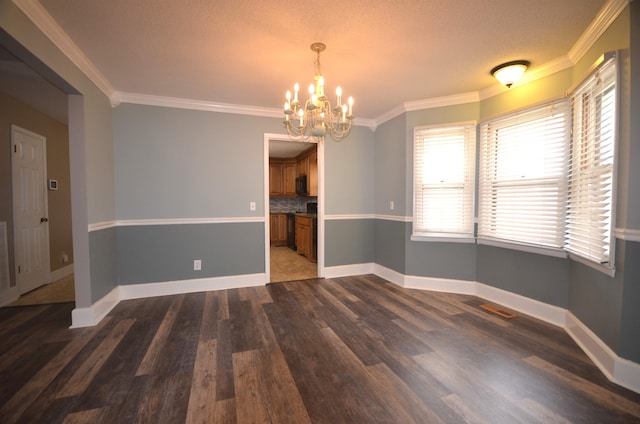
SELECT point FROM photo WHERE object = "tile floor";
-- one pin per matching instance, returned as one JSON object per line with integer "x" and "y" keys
{"x": 287, "y": 265}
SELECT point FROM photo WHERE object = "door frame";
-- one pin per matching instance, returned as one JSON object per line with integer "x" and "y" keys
{"x": 45, "y": 207}
{"x": 267, "y": 232}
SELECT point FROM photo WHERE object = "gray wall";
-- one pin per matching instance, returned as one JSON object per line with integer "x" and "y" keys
{"x": 629, "y": 340}
{"x": 175, "y": 164}
{"x": 349, "y": 241}
{"x": 349, "y": 174}
{"x": 102, "y": 251}
{"x": 157, "y": 253}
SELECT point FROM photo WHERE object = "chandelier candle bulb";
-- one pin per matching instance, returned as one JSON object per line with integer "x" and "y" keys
{"x": 316, "y": 117}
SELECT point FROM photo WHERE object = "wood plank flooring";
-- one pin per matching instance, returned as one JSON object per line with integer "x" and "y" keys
{"x": 345, "y": 350}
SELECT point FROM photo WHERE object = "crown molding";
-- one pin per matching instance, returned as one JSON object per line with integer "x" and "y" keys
{"x": 41, "y": 18}
{"x": 45, "y": 23}
{"x": 192, "y": 104}
{"x": 455, "y": 99}
{"x": 179, "y": 103}
{"x": 609, "y": 12}
{"x": 389, "y": 115}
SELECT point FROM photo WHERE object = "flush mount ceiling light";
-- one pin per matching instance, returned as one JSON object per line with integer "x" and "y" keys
{"x": 510, "y": 72}
{"x": 315, "y": 117}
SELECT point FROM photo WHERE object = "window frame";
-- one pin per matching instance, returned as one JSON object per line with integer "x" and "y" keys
{"x": 613, "y": 59}
{"x": 468, "y": 129}
{"x": 488, "y": 180}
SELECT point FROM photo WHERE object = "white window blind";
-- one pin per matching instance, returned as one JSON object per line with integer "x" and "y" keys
{"x": 522, "y": 176}
{"x": 590, "y": 199}
{"x": 444, "y": 180}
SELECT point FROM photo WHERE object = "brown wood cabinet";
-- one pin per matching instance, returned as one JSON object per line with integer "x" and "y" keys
{"x": 305, "y": 237}
{"x": 307, "y": 164}
{"x": 282, "y": 178}
{"x": 312, "y": 180}
{"x": 278, "y": 229}
{"x": 276, "y": 180}
{"x": 289, "y": 176}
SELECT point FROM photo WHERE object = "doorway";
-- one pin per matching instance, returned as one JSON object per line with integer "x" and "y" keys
{"x": 293, "y": 209}
{"x": 38, "y": 240}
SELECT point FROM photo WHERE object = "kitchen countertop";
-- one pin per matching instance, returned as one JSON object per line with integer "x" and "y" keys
{"x": 310, "y": 215}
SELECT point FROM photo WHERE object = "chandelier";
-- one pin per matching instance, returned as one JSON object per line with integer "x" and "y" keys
{"x": 315, "y": 117}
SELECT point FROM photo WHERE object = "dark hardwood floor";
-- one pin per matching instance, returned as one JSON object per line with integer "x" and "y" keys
{"x": 346, "y": 350}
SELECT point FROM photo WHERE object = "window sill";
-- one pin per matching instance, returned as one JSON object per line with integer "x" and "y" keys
{"x": 443, "y": 238}
{"x": 547, "y": 251}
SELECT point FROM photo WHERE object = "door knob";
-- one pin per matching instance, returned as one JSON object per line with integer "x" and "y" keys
{"x": 44, "y": 219}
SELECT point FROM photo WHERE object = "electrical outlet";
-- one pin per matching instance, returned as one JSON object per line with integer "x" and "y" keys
{"x": 252, "y": 206}
{"x": 392, "y": 205}
{"x": 65, "y": 257}
{"x": 197, "y": 264}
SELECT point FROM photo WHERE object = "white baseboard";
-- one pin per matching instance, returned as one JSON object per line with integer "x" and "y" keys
{"x": 87, "y": 317}
{"x": 61, "y": 273}
{"x": 348, "y": 270}
{"x": 440, "y": 284}
{"x": 166, "y": 288}
{"x": 388, "y": 274}
{"x": 540, "y": 310}
{"x": 619, "y": 370}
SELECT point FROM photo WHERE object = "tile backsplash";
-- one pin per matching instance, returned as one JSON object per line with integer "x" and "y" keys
{"x": 289, "y": 204}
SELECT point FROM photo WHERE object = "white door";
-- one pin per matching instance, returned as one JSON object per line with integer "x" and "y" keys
{"x": 31, "y": 228}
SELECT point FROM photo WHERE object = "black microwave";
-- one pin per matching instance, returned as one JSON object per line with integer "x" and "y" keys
{"x": 301, "y": 185}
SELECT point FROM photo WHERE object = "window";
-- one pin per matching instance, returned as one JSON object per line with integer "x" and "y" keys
{"x": 590, "y": 198}
{"x": 522, "y": 177}
{"x": 444, "y": 181}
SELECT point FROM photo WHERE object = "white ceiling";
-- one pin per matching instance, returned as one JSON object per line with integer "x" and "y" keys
{"x": 382, "y": 52}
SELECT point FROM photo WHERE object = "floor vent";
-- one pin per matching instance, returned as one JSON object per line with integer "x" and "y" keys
{"x": 498, "y": 311}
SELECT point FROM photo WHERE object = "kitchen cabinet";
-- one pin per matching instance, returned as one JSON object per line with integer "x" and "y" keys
{"x": 276, "y": 180}
{"x": 289, "y": 176}
{"x": 306, "y": 236}
{"x": 278, "y": 229}
{"x": 302, "y": 165}
{"x": 282, "y": 178}
{"x": 312, "y": 181}
{"x": 307, "y": 164}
